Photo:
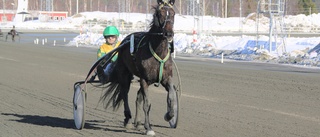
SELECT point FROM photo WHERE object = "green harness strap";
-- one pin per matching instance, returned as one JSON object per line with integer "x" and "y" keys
{"x": 162, "y": 61}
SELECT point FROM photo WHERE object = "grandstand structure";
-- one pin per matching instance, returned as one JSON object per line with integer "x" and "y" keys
{"x": 196, "y": 9}
{"x": 275, "y": 10}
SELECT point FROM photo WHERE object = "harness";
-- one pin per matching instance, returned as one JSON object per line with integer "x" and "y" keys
{"x": 133, "y": 49}
{"x": 162, "y": 61}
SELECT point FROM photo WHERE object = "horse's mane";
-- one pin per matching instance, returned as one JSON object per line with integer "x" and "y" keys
{"x": 155, "y": 18}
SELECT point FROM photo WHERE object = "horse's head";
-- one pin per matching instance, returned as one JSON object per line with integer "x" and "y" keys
{"x": 171, "y": 2}
{"x": 163, "y": 18}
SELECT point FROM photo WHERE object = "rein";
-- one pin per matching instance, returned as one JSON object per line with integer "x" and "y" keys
{"x": 149, "y": 33}
{"x": 162, "y": 61}
{"x": 139, "y": 44}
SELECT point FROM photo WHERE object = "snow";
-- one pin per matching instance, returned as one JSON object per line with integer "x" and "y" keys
{"x": 296, "y": 50}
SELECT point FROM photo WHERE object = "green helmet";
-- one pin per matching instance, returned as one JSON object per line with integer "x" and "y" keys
{"x": 110, "y": 30}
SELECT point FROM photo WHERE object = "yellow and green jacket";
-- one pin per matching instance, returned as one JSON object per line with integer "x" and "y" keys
{"x": 105, "y": 48}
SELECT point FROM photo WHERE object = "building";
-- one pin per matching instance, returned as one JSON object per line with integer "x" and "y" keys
{"x": 45, "y": 16}
{"x": 22, "y": 14}
{"x": 7, "y": 16}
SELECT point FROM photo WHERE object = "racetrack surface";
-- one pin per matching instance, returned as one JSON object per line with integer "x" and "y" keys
{"x": 233, "y": 99}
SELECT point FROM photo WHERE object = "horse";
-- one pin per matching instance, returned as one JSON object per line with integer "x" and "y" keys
{"x": 13, "y": 33}
{"x": 1, "y": 33}
{"x": 150, "y": 60}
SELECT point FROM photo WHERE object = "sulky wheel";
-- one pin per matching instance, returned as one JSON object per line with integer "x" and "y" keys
{"x": 79, "y": 104}
{"x": 177, "y": 87}
{"x": 174, "y": 121}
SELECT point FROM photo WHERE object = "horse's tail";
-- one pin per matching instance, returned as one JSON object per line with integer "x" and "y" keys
{"x": 117, "y": 85}
{"x": 113, "y": 96}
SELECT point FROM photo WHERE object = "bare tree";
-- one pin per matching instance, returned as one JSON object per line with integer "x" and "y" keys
{"x": 84, "y": 5}
{"x": 223, "y": 8}
{"x": 69, "y": 4}
{"x": 211, "y": 7}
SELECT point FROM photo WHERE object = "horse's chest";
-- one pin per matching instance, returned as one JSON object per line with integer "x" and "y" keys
{"x": 153, "y": 68}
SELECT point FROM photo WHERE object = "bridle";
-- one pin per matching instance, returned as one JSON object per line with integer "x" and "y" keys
{"x": 167, "y": 20}
{"x": 167, "y": 17}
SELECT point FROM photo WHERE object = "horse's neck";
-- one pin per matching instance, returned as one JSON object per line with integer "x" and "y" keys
{"x": 159, "y": 45}
{"x": 155, "y": 29}
{"x": 158, "y": 42}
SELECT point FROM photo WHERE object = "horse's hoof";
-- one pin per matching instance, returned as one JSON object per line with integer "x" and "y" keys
{"x": 128, "y": 126}
{"x": 139, "y": 127}
{"x": 151, "y": 133}
{"x": 167, "y": 117}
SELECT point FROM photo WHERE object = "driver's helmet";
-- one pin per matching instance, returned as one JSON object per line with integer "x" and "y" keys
{"x": 110, "y": 30}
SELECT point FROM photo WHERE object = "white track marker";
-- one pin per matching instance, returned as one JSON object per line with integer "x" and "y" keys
{"x": 222, "y": 58}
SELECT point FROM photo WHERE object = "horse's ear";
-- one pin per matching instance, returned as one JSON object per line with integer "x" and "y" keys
{"x": 171, "y": 2}
{"x": 160, "y": 2}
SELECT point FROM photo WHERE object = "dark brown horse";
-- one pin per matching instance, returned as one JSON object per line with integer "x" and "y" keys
{"x": 13, "y": 34}
{"x": 150, "y": 60}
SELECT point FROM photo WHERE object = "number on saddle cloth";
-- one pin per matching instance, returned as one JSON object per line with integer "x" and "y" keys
{"x": 136, "y": 40}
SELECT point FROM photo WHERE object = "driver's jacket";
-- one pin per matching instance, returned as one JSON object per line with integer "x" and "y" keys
{"x": 105, "y": 48}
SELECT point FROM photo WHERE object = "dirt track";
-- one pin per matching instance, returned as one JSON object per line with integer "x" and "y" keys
{"x": 233, "y": 99}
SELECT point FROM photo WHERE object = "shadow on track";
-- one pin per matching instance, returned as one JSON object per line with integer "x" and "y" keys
{"x": 42, "y": 120}
{"x": 66, "y": 123}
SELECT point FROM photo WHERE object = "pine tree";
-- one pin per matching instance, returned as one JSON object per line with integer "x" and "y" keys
{"x": 307, "y": 7}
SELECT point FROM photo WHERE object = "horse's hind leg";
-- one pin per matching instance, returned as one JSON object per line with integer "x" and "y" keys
{"x": 127, "y": 112}
{"x": 137, "y": 120}
{"x": 146, "y": 107}
{"x": 171, "y": 99}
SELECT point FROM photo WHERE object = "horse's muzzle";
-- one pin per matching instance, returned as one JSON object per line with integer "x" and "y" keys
{"x": 169, "y": 36}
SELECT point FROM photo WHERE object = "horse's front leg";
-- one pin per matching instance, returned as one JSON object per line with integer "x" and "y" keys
{"x": 146, "y": 107}
{"x": 137, "y": 120}
{"x": 171, "y": 99}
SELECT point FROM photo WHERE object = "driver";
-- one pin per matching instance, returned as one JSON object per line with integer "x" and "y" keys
{"x": 111, "y": 35}
{"x": 12, "y": 31}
